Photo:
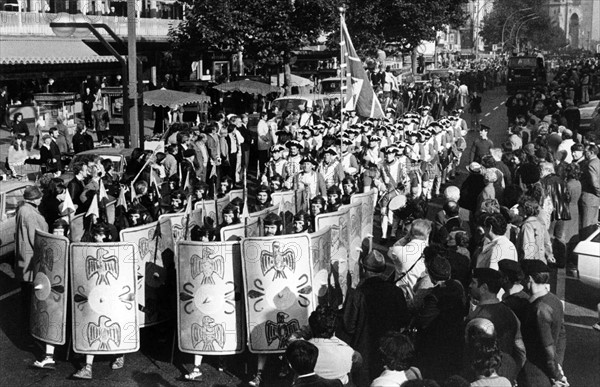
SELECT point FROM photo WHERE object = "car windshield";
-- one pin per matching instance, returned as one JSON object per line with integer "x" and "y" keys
{"x": 12, "y": 199}
{"x": 330, "y": 86}
{"x": 522, "y": 62}
{"x": 293, "y": 104}
{"x": 116, "y": 160}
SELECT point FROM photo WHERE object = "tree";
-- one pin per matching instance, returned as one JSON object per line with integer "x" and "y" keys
{"x": 533, "y": 19}
{"x": 266, "y": 30}
{"x": 375, "y": 24}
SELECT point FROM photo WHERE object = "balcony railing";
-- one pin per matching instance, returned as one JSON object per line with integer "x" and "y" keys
{"x": 34, "y": 23}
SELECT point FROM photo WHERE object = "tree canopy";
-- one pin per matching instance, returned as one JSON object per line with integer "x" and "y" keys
{"x": 267, "y": 30}
{"x": 533, "y": 19}
{"x": 374, "y": 24}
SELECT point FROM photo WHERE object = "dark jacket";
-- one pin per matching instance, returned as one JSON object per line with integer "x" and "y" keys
{"x": 557, "y": 190}
{"x": 316, "y": 381}
{"x": 372, "y": 309}
{"x": 470, "y": 190}
{"x": 82, "y": 142}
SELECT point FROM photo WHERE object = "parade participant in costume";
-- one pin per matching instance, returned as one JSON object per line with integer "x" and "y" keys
{"x": 428, "y": 156}
{"x": 306, "y": 139}
{"x": 311, "y": 180}
{"x": 263, "y": 199}
{"x": 301, "y": 222}
{"x": 200, "y": 191}
{"x": 373, "y": 154}
{"x": 349, "y": 188}
{"x": 276, "y": 165}
{"x": 292, "y": 166}
{"x": 425, "y": 118}
{"x": 97, "y": 234}
{"x": 202, "y": 234}
{"x": 177, "y": 202}
{"x": 276, "y": 183}
{"x": 348, "y": 160}
{"x": 331, "y": 169}
{"x": 317, "y": 206}
{"x": 334, "y": 198}
{"x": 225, "y": 186}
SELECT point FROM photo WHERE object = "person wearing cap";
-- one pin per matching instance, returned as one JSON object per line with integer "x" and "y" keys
{"x": 275, "y": 165}
{"x": 543, "y": 327}
{"x": 301, "y": 222}
{"x": 334, "y": 198}
{"x": 439, "y": 323}
{"x": 330, "y": 168}
{"x": 293, "y": 163}
{"x": 348, "y": 160}
{"x": 472, "y": 187}
{"x": 263, "y": 199}
{"x": 309, "y": 179}
{"x": 514, "y": 295}
{"x": 484, "y": 288}
{"x": 374, "y": 308}
{"x": 482, "y": 145}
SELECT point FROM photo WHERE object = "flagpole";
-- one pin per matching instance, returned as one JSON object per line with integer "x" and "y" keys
{"x": 342, "y": 10}
{"x": 216, "y": 206}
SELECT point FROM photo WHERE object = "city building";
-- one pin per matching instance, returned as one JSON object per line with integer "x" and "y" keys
{"x": 580, "y": 19}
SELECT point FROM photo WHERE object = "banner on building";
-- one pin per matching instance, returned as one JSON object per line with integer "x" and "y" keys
{"x": 210, "y": 316}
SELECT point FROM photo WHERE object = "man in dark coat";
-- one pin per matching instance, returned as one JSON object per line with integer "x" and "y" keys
{"x": 374, "y": 308}
{"x": 471, "y": 187}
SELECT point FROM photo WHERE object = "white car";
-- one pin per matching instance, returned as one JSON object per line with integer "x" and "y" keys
{"x": 588, "y": 252}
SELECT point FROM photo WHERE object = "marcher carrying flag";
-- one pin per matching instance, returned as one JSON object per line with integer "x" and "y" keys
{"x": 359, "y": 92}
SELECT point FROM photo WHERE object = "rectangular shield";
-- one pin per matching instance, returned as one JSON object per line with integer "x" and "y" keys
{"x": 210, "y": 311}
{"x": 236, "y": 193}
{"x": 278, "y": 285}
{"x": 50, "y": 288}
{"x": 173, "y": 228}
{"x": 154, "y": 303}
{"x": 214, "y": 209}
{"x": 261, "y": 214}
{"x": 104, "y": 299}
{"x": 355, "y": 240}
{"x": 244, "y": 229}
{"x": 338, "y": 221}
{"x": 77, "y": 229}
{"x": 286, "y": 201}
{"x": 367, "y": 202}
{"x": 320, "y": 246}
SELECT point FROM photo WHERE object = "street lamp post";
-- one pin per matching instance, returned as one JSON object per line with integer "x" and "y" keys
{"x": 517, "y": 23}
{"x": 517, "y": 44}
{"x": 134, "y": 132}
{"x": 508, "y": 18}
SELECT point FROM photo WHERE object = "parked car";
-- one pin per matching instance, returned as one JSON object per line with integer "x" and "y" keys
{"x": 11, "y": 193}
{"x": 588, "y": 254}
{"x": 588, "y": 112}
{"x": 118, "y": 156}
{"x": 293, "y": 102}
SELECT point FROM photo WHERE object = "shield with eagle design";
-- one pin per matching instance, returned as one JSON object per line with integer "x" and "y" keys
{"x": 320, "y": 246}
{"x": 210, "y": 312}
{"x": 340, "y": 247}
{"x": 245, "y": 229}
{"x": 286, "y": 203}
{"x": 355, "y": 240}
{"x": 213, "y": 210}
{"x": 103, "y": 298}
{"x": 367, "y": 202}
{"x": 50, "y": 285}
{"x": 154, "y": 303}
{"x": 279, "y": 292}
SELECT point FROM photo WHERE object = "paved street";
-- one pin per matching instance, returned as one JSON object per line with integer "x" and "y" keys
{"x": 152, "y": 365}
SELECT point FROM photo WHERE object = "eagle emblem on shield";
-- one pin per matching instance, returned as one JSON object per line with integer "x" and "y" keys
{"x": 103, "y": 333}
{"x": 207, "y": 265}
{"x": 277, "y": 261}
{"x": 102, "y": 265}
{"x": 280, "y": 330}
{"x": 207, "y": 334}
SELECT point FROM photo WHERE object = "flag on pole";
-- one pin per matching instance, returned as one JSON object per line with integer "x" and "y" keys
{"x": 132, "y": 193}
{"x": 121, "y": 201}
{"x": 187, "y": 187}
{"x": 154, "y": 182}
{"x": 67, "y": 205}
{"x": 102, "y": 194}
{"x": 359, "y": 92}
{"x": 94, "y": 209}
{"x": 245, "y": 214}
{"x": 213, "y": 172}
{"x": 187, "y": 214}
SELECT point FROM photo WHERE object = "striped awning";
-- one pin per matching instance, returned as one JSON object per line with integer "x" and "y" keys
{"x": 47, "y": 50}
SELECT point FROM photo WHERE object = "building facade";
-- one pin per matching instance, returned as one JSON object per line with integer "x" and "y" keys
{"x": 580, "y": 19}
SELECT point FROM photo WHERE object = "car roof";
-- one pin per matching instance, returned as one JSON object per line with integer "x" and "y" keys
{"x": 7, "y": 186}
{"x": 107, "y": 151}
{"x": 311, "y": 97}
{"x": 330, "y": 79}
